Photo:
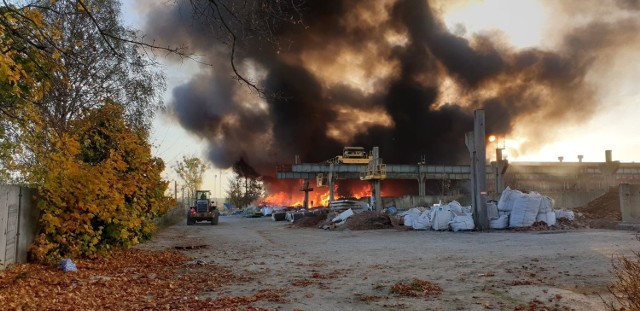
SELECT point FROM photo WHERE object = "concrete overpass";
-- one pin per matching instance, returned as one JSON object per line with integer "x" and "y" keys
{"x": 419, "y": 172}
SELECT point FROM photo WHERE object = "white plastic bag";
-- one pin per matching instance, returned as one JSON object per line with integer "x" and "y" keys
{"x": 524, "y": 211}
{"x": 459, "y": 223}
{"x": 562, "y": 213}
{"x": 508, "y": 199}
{"x": 501, "y": 223}
{"x": 422, "y": 221}
{"x": 456, "y": 208}
{"x": 492, "y": 210}
{"x": 549, "y": 218}
{"x": 410, "y": 216}
{"x": 343, "y": 216}
{"x": 440, "y": 217}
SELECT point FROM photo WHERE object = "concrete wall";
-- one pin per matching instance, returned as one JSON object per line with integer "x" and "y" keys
{"x": 18, "y": 223}
{"x": 563, "y": 199}
{"x": 630, "y": 203}
{"x": 409, "y": 201}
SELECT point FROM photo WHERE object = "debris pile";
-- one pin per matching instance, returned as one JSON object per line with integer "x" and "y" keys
{"x": 369, "y": 220}
{"x": 605, "y": 207}
{"x": 252, "y": 212}
{"x": 516, "y": 210}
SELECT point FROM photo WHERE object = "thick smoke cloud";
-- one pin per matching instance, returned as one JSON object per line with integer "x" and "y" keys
{"x": 371, "y": 73}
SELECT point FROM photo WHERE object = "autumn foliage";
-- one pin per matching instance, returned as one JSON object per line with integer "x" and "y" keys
{"x": 101, "y": 188}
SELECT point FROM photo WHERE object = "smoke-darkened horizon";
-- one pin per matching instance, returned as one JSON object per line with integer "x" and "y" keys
{"x": 377, "y": 73}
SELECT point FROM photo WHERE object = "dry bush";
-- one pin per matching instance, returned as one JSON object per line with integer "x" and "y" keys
{"x": 626, "y": 288}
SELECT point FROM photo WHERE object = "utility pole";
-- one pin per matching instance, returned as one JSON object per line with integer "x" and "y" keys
{"x": 182, "y": 196}
{"x": 476, "y": 143}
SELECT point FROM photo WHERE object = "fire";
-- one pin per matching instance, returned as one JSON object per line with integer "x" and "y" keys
{"x": 288, "y": 193}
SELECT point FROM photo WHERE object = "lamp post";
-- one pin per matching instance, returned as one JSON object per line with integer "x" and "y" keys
{"x": 215, "y": 177}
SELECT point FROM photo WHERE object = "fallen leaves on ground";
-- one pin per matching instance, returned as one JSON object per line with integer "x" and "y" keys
{"x": 129, "y": 279}
{"x": 416, "y": 288}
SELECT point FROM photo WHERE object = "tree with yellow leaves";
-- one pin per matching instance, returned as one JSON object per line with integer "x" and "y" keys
{"x": 102, "y": 188}
{"x": 75, "y": 109}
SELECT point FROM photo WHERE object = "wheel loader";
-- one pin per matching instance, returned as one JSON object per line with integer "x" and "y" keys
{"x": 203, "y": 209}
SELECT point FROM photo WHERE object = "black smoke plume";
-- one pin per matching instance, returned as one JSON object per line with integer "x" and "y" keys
{"x": 406, "y": 52}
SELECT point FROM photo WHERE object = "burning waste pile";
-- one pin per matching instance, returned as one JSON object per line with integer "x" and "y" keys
{"x": 340, "y": 214}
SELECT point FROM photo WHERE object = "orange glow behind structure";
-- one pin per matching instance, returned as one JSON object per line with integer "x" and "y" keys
{"x": 288, "y": 193}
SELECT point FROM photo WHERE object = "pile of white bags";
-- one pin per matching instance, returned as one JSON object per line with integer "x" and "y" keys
{"x": 440, "y": 217}
{"x": 517, "y": 209}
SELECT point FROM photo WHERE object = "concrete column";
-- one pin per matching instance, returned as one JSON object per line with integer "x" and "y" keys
{"x": 376, "y": 182}
{"x": 375, "y": 188}
{"x": 305, "y": 188}
{"x": 422, "y": 185}
{"x": 422, "y": 177}
{"x": 476, "y": 144}
{"x": 479, "y": 135}
{"x": 469, "y": 141}
{"x": 330, "y": 183}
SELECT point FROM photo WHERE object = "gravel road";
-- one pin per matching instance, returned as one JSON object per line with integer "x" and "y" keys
{"x": 357, "y": 270}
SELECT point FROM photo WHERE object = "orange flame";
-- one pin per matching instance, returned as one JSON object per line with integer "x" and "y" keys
{"x": 319, "y": 197}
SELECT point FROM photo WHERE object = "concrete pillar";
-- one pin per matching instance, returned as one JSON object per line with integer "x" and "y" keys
{"x": 306, "y": 189}
{"x": 377, "y": 198}
{"x": 422, "y": 178}
{"x": 476, "y": 144}
{"x": 330, "y": 183}
{"x": 422, "y": 185}
{"x": 630, "y": 203}
{"x": 469, "y": 141}
{"x": 481, "y": 170}
{"x": 375, "y": 161}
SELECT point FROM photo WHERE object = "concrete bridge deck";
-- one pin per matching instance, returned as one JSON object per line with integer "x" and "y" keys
{"x": 394, "y": 171}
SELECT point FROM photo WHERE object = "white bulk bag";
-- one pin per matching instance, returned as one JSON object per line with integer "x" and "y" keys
{"x": 549, "y": 218}
{"x": 410, "y": 216}
{"x": 501, "y": 223}
{"x": 524, "y": 211}
{"x": 561, "y": 213}
{"x": 462, "y": 223}
{"x": 422, "y": 221}
{"x": 440, "y": 217}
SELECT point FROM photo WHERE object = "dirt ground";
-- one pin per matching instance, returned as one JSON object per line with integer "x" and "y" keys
{"x": 380, "y": 269}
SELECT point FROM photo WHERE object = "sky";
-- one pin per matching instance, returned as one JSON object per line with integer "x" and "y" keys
{"x": 535, "y": 24}
{"x": 169, "y": 140}
{"x": 612, "y": 80}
